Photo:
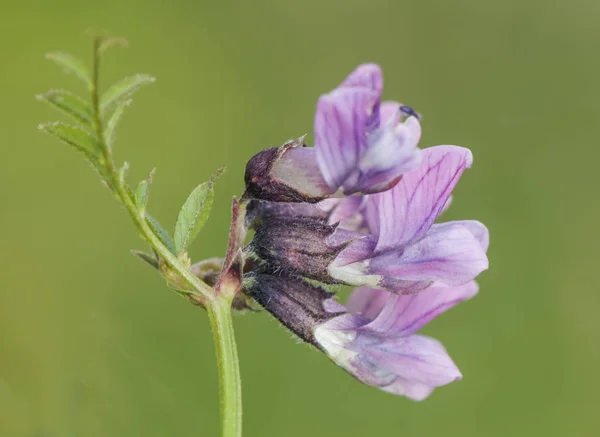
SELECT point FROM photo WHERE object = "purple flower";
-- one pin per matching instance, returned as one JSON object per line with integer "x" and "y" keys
{"x": 405, "y": 251}
{"x": 374, "y": 338}
{"x": 384, "y": 239}
{"x": 398, "y": 247}
{"x": 379, "y": 346}
{"x": 362, "y": 146}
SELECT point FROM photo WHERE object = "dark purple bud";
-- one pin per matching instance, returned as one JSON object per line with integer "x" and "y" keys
{"x": 259, "y": 210}
{"x": 288, "y": 173}
{"x": 297, "y": 304}
{"x": 297, "y": 246}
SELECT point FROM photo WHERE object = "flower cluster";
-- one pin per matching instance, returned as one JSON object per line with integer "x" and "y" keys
{"x": 359, "y": 208}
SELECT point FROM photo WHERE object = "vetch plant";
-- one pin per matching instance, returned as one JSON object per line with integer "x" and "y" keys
{"x": 358, "y": 208}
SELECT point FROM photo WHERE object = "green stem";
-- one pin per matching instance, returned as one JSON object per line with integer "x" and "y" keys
{"x": 230, "y": 385}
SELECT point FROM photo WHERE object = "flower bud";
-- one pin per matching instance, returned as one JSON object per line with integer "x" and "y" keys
{"x": 259, "y": 210}
{"x": 298, "y": 305}
{"x": 298, "y": 246}
{"x": 288, "y": 173}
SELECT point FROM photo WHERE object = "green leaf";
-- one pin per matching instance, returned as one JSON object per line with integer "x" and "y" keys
{"x": 109, "y": 42}
{"x": 141, "y": 192}
{"x": 123, "y": 89}
{"x": 141, "y": 195}
{"x": 123, "y": 172}
{"x": 148, "y": 258}
{"x": 113, "y": 121}
{"x": 161, "y": 233}
{"x": 76, "y": 137}
{"x": 70, "y": 104}
{"x": 194, "y": 213}
{"x": 71, "y": 64}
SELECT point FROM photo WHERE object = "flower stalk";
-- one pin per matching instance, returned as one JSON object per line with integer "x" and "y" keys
{"x": 230, "y": 384}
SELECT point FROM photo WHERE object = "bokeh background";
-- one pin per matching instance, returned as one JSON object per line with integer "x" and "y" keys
{"x": 92, "y": 343}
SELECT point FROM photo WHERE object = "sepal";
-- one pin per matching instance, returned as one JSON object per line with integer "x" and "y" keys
{"x": 288, "y": 173}
{"x": 297, "y": 304}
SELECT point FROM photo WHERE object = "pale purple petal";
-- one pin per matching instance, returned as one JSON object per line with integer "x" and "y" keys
{"x": 389, "y": 113}
{"x": 347, "y": 212}
{"x": 411, "y": 389}
{"x": 400, "y": 365}
{"x": 368, "y": 302}
{"x": 415, "y": 358}
{"x": 371, "y": 215}
{"x": 401, "y": 286}
{"x": 355, "y": 151}
{"x": 404, "y": 315}
{"x": 478, "y": 229}
{"x": 341, "y": 121}
{"x": 448, "y": 253}
{"x": 359, "y": 246}
{"x": 446, "y": 205}
{"x": 328, "y": 205}
{"x": 367, "y": 76}
{"x": 391, "y": 152}
{"x": 298, "y": 168}
{"x": 405, "y": 213}
{"x": 420, "y": 363}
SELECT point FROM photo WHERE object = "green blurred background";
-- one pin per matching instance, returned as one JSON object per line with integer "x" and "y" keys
{"x": 92, "y": 343}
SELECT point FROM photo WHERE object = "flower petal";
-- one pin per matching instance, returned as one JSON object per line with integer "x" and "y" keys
{"x": 391, "y": 152}
{"x": 413, "y": 390}
{"x": 448, "y": 253}
{"x": 368, "y": 302}
{"x": 341, "y": 122}
{"x": 288, "y": 173}
{"x": 367, "y": 76}
{"x": 389, "y": 113}
{"x": 347, "y": 212}
{"x": 405, "y": 213}
{"x": 404, "y": 315}
{"x": 401, "y": 365}
{"x": 297, "y": 167}
{"x": 478, "y": 229}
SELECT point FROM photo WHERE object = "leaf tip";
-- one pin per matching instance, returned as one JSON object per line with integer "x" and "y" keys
{"x": 218, "y": 174}
{"x": 106, "y": 43}
{"x": 143, "y": 77}
{"x": 149, "y": 259}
